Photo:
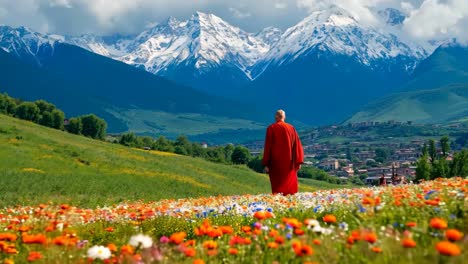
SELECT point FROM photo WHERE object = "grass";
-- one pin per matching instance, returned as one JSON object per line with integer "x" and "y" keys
{"x": 171, "y": 124}
{"x": 439, "y": 105}
{"x": 39, "y": 164}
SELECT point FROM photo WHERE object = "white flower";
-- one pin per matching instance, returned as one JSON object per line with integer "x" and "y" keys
{"x": 312, "y": 222}
{"x": 141, "y": 240}
{"x": 317, "y": 229}
{"x": 99, "y": 252}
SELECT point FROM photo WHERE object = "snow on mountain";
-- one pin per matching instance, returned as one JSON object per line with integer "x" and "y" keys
{"x": 113, "y": 47}
{"x": 269, "y": 35}
{"x": 335, "y": 30}
{"x": 392, "y": 16}
{"x": 25, "y": 43}
{"x": 205, "y": 40}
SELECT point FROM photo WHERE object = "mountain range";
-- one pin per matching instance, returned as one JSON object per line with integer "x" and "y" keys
{"x": 321, "y": 70}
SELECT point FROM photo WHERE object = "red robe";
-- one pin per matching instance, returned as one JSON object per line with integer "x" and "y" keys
{"x": 283, "y": 154}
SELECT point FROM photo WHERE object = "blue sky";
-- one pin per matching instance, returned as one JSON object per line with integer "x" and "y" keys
{"x": 428, "y": 19}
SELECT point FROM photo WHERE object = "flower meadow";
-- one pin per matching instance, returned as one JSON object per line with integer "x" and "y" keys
{"x": 424, "y": 223}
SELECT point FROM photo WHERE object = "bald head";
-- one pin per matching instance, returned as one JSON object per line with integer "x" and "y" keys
{"x": 280, "y": 115}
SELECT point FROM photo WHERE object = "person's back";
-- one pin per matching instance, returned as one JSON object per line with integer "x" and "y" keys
{"x": 282, "y": 155}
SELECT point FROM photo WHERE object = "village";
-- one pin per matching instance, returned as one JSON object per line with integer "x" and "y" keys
{"x": 369, "y": 150}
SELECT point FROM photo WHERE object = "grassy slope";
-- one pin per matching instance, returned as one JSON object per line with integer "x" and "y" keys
{"x": 170, "y": 124}
{"x": 426, "y": 106}
{"x": 38, "y": 164}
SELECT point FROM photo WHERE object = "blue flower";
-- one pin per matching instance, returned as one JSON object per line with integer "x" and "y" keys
{"x": 361, "y": 208}
{"x": 317, "y": 208}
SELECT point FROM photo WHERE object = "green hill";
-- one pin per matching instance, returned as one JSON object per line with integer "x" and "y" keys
{"x": 447, "y": 65}
{"x": 440, "y": 105}
{"x": 39, "y": 164}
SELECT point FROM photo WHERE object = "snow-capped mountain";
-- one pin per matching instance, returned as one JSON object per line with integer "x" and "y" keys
{"x": 205, "y": 41}
{"x": 335, "y": 31}
{"x": 269, "y": 35}
{"x": 392, "y": 16}
{"x": 25, "y": 43}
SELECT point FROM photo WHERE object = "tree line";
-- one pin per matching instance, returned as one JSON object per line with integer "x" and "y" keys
{"x": 434, "y": 162}
{"x": 47, "y": 114}
{"x": 228, "y": 154}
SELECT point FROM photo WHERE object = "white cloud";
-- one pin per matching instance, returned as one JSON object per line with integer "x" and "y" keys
{"x": 239, "y": 14}
{"x": 60, "y": 3}
{"x": 439, "y": 20}
{"x": 281, "y": 5}
{"x": 428, "y": 19}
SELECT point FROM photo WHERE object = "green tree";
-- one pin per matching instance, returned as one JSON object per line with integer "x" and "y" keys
{"x": 424, "y": 150}
{"x": 216, "y": 155}
{"x": 163, "y": 144}
{"x": 198, "y": 150}
{"x": 28, "y": 111}
{"x": 93, "y": 126}
{"x": 7, "y": 104}
{"x": 423, "y": 169}
{"x": 432, "y": 151}
{"x": 256, "y": 164}
{"x": 129, "y": 140}
{"x": 46, "y": 119}
{"x": 228, "y": 150}
{"x": 45, "y": 106}
{"x": 440, "y": 169}
{"x": 459, "y": 165}
{"x": 57, "y": 119}
{"x": 74, "y": 126}
{"x": 381, "y": 155}
{"x": 240, "y": 155}
{"x": 445, "y": 145}
{"x": 183, "y": 146}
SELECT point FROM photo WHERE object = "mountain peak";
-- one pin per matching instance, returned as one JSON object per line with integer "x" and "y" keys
{"x": 334, "y": 15}
{"x": 392, "y": 16}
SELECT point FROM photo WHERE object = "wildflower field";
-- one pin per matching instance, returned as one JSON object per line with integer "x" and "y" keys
{"x": 425, "y": 223}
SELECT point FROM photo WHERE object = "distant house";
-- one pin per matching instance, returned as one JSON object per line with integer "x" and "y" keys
{"x": 329, "y": 165}
{"x": 348, "y": 171}
{"x": 204, "y": 145}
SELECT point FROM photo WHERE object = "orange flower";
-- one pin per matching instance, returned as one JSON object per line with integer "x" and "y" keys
{"x": 368, "y": 200}
{"x": 110, "y": 229}
{"x": 279, "y": 240}
{"x": 65, "y": 240}
{"x": 8, "y": 237}
{"x": 8, "y": 261}
{"x": 298, "y": 232}
{"x": 112, "y": 247}
{"x": 411, "y": 224}
{"x": 198, "y": 261}
{"x": 190, "y": 252}
{"x": 448, "y": 249}
{"x": 316, "y": 242}
{"x": 453, "y": 235}
{"x": 376, "y": 250}
{"x": 370, "y": 237}
{"x": 261, "y": 215}
{"x": 226, "y": 230}
{"x": 302, "y": 249}
{"x": 233, "y": 251}
{"x": 11, "y": 249}
{"x": 212, "y": 252}
{"x": 178, "y": 237}
{"x": 247, "y": 229}
{"x": 329, "y": 219}
{"x": 210, "y": 244}
{"x": 127, "y": 250}
{"x": 408, "y": 243}
{"x": 34, "y": 239}
{"x": 431, "y": 202}
{"x": 292, "y": 222}
{"x": 272, "y": 245}
{"x": 34, "y": 255}
{"x": 438, "y": 223}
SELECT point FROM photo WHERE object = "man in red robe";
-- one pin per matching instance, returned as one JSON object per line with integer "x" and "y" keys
{"x": 282, "y": 155}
